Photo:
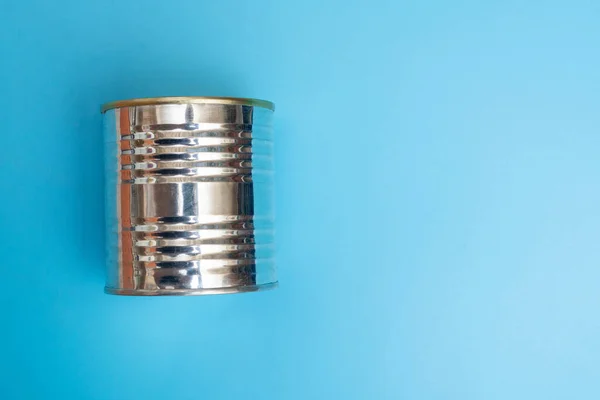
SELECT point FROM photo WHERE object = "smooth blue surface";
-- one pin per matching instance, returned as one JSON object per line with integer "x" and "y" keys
{"x": 438, "y": 200}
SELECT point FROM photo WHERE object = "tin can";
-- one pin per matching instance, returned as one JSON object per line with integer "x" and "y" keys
{"x": 189, "y": 196}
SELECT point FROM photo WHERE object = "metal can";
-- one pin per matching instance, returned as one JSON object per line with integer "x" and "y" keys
{"x": 189, "y": 195}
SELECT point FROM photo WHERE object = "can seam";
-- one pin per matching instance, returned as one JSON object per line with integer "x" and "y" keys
{"x": 192, "y": 292}
{"x": 145, "y": 101}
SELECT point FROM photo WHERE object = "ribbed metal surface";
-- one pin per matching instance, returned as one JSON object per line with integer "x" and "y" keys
{"x": 189, "y": 199}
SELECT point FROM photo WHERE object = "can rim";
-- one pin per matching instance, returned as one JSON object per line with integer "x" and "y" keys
{"x": 145, "y": 101}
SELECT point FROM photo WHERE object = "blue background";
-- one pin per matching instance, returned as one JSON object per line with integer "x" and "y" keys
{"x": 437, "y": 192}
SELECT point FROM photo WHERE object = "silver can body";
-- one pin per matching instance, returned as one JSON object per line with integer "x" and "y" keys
{"x": 189, "y": 196}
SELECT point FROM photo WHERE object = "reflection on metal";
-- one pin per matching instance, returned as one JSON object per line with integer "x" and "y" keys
{"x": 189, "y": 196}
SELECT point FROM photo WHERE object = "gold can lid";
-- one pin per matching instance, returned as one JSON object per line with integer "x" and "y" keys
{"x": 188, "y": 100}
